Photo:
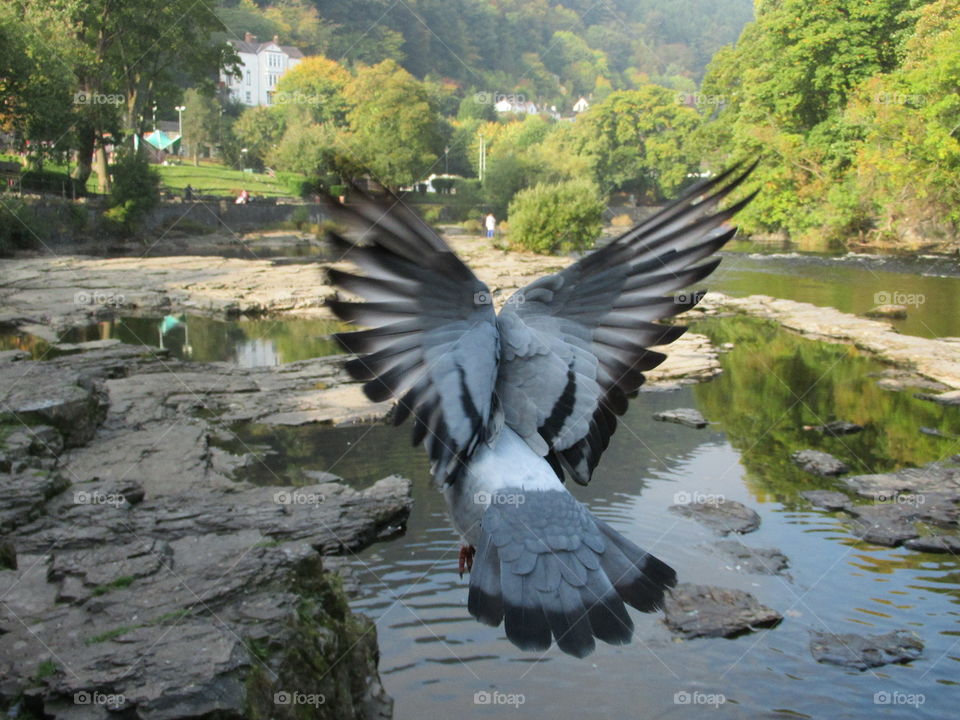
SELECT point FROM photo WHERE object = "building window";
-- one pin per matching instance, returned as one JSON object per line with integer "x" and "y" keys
{"x": 249, "y": 78}
{"x": 272, "y": 79}
{"x": 249, "y": 98}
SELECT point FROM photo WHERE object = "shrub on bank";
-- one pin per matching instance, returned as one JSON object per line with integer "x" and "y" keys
{"x": 556, "y": 218}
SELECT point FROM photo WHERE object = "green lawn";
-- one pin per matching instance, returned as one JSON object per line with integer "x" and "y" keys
{"x": 219, "y": 180}
{"x": 206, "y": 179}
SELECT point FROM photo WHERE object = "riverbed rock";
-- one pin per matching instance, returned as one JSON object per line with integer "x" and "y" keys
{"x": 36, "y": 393}
{"x": 819, "y": 463}
{"x": 935, "y": 479}
{"x": 828, "y": 499}
{"x": 865, "y": 651}
{"x": 721, "y": 515}
{"x": 156, "y": 586}
{"x": 836, "y": 428}
{"x": 884, "y": 524}
{"x": 935, "y": 544}
{"x": 709, "y": 611}
{"x": 894, "y": 312}
{"x": 751, "y": 560}
{"x": 682, "y": 416}
{"x": 950, "y": 399}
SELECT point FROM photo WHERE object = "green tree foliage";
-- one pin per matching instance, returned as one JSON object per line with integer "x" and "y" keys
{"x": 395, "y": 131}
{"x": 638, "y": 141}
{"x": 258, "y": 130}
{"x": 201, "y": 122}
{"x": 556, "y": 218}
{"x": 135, "y": 190}
{"x": 852, "y": 107}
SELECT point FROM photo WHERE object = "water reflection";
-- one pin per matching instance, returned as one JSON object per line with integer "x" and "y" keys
{"x": 245, "y": 342}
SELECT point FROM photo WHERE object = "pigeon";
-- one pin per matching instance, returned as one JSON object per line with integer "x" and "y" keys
{"x": 510, "y": 405}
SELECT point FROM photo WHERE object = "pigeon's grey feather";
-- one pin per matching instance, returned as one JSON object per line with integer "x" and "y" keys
{"x": 547, "y": 567}
{"x": 575, "y": 344}
{"x": 431, "y": 344}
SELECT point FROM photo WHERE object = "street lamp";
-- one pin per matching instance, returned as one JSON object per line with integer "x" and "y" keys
{"x": 180, "y": 109}
{"x": 243, "y": 158}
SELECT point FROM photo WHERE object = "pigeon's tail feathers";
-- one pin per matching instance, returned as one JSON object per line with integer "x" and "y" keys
{"x": 548, "y": 569}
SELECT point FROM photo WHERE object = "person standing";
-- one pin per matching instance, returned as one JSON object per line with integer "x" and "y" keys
{"x": 490, "y": 222}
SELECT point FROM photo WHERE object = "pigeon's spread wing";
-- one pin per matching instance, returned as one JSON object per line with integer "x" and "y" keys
{"x": 575, "y": 344}
{"x": 432, "y": 340}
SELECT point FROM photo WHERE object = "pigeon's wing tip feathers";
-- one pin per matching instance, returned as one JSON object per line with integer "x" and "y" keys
{"x": 578, "y": 346}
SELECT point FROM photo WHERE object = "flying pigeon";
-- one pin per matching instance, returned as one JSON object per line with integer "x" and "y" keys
{"x": 509, "y": 405}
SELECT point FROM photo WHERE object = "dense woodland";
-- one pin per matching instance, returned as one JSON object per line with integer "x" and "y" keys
{"x": 852, "y": 106}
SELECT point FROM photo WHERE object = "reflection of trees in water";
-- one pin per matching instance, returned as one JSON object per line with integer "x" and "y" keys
{"x": 246, "y": 342}
{"x": 37, "y": 347}
{"x": 774, "y": 383}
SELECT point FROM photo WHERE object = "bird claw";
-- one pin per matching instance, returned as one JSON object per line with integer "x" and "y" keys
{"x": 466, "y": 558}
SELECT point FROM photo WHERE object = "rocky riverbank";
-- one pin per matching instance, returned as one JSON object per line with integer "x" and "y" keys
{"x": 140, "y": 580}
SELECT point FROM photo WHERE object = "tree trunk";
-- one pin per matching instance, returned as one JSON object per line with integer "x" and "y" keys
{"x": 103, "y": 172}
{"x": 86, "y": 139}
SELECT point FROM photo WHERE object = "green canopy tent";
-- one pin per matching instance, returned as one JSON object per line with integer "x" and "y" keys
{"x": 162, "y": 141}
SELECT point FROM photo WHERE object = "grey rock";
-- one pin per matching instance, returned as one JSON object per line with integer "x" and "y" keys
{"x": 886, "y": 524}
{"x": 865, "y": 651}
{"x": 722, "y": 516}
{"x": 72, "y": 402}
{"x": 836, "y": 428}
{"x": 751, "y": 560}
{"x": 709, "y": 611}
{"x": 896, "y": 312}
{"x": 934, "y": 478}
{"x": 683, "y": 416}
{"x": 827, "y": 499}
{"x": 950, "y": 399}
{"x": 819, "y": 463}
{"x": 935, "y": 544}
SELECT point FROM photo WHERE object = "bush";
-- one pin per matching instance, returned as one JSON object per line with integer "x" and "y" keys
{"x": 471, "y": 226}
{"x": 135, "y": 192}
{"x": 556, "y": 218}
{"x": 20, "y": 227}
{"x": 443, "y": 185}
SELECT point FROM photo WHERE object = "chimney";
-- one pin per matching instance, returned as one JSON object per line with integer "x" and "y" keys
{"x": 276, "y": 39}
{"x": 249, "y": 37}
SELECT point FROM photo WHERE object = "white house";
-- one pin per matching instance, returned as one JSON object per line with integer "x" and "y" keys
{"x": 261, "y": 65}
{"x": 580, "y": 105}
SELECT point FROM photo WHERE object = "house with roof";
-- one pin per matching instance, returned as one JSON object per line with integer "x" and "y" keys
{"x": 261, "y": 66}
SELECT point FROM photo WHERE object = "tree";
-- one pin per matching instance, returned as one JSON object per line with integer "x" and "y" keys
{"x": 394, "y": 125}
{"x": 258, "y": 130}
{"x": 639, "y": 141}
{"x": 556, "y": 218}
{"x": 201, "y": 120}
{"x": 313, "y": 90}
